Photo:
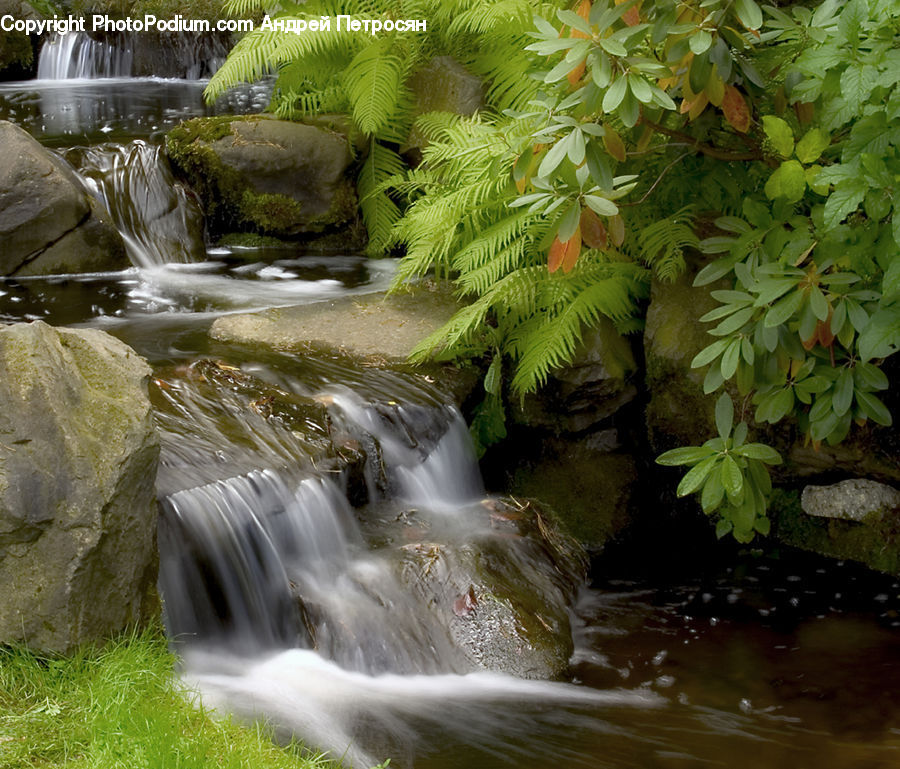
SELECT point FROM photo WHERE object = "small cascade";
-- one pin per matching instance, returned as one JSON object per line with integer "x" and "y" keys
{"x": 365, "y": 632}
{"x": 426, "y": 452}
{"x": 160, "y": 222}
{"x": 77, "y": 56}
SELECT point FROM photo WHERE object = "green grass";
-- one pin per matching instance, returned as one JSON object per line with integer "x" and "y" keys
{"x": 122, "y": 706}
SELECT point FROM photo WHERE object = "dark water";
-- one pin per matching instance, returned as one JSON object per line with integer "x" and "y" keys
{"x": 63, "y": 113}
{"x": 752, "y": 659}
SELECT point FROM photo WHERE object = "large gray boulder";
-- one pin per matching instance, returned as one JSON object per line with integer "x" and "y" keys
{"x": 48, "y": 222}
{"x": 78, "y": 457}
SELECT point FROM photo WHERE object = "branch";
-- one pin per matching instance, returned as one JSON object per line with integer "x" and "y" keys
{"x": 656, "y": 183}
{"x": 706, "y": 149}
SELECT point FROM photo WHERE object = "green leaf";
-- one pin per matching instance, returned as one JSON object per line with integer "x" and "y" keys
{"x": 780, "y": 135}
{"x": 614, "y": 95}
{"x": 568, "y": 222}
{"x": 723, "y": 527}
{"x": 554, "y": 156}
{"x": 881, "y": 335}
{"x": 874, "y": 408}
{"x": 843, "y": 393}
{"x": 749, "y": 13}
{"x": 819, "y": 303}
{"x": 724, "y": 415}
{"x": 731, "y": 358}
{"x": 686, "y": 455}
{"x": 601, "y": 205}
{"x": 759, "y": 451}
{"x": 734, "y": 322}
{"x": 890, "y": 284}
{"x": 713, "y": 492}
{"x": 493, "y": 379}
{"x": 843, "y": 201}
{"x": 788, "y": 181}
{"x": 810, "y": 148}
{"x": 763, "y": 526}
{"x": 695, "y": 476}
{"x": 783, "y": 309}
{"x": 710, "y": 353}
{"x": 700, "y": 41}
{"x": 732, "y": 478}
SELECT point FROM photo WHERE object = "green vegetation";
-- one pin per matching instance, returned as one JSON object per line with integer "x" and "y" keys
{"x": 614, "y": 137}
{"x": 121, "y": 706}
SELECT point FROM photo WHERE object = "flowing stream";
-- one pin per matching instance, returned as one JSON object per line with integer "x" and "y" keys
{"x": 314, "y": 514}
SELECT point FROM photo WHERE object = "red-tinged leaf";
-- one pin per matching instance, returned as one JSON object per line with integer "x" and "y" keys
{"x": 583, "y": 10}
{"x": 698, "y": 105}
{"x": 735, "y": 109}
{"x": 555, "y": 257}
{"x": 632, "y": 17}
{"x": 593, "y": 233}
{"x": 686, "y": 106}
{"x": 575, "y": 74}
{"x": 823, "y": 331}
{"x": 573, "y": 251}
{"x": 520, "y": 185}
{"x": 617, "y": 230}
{"x": 805, "y": 111}
{"x": 614, "y": 144}
{"x": 466, "y": 603}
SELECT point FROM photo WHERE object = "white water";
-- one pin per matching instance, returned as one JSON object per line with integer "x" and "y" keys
{"x": 160, "y": 222}
{"x": 76, "y": 56}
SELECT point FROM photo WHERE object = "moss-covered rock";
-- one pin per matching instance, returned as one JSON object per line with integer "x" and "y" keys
{"x": 874, "y": 542}
{"x": 267, "y": 176}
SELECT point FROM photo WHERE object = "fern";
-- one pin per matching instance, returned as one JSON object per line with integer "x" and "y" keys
{"x": 380, "y": 213}
{"x": 373, "y": 83}
{"x": 661, "y": 243}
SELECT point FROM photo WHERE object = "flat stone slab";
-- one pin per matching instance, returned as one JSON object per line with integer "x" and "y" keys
{"x": 380, "y": 325}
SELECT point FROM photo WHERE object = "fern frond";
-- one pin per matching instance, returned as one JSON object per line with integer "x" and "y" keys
{"x": 373, "y": 82}
{"x": 662, "y": 243}
{"x": 379, "y": 212}
{"x": 487, "y": 16}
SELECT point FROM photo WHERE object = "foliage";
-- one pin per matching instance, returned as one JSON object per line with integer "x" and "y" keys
{"x": 368, "y": 75}
{"x": 555, "y": 206}
{"x": 117, "y": 706}
{"x": 731, "y": 475}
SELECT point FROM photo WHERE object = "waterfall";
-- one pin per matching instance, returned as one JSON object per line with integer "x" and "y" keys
{"x": 160, "y": 222}
{"x": 76, "y": 55}
{"x": 345, "y": 627}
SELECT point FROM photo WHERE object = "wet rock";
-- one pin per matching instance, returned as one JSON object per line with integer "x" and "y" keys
{"x": 48, "y": 223}
{"x": 586, "y": 392}
{"x": 503, "y": 592}
{"x": 589, "y": 484}
{"x": 857, "y": 499}
{"x": 274, "y": 177}
{"x": 378, "y": 329}
{"x": 78, "y": 459}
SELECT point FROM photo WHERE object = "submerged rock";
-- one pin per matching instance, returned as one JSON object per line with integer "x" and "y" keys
{"x": 48, "y": 222}
{"x": 274, "y": 177}
{"x": 78, "y": 458}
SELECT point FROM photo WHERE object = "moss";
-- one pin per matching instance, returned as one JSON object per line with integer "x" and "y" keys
{"x": 252, "y": 240}
{"x": 268, "y": 212}
{"x": 874, "y": 543}
{"x": 229, "y": 200}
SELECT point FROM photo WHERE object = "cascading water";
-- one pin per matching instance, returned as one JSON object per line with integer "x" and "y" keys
{"x": 77, "y": 56}
{"x": 284, "y": 608}
{"x": 160, "y": 222}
